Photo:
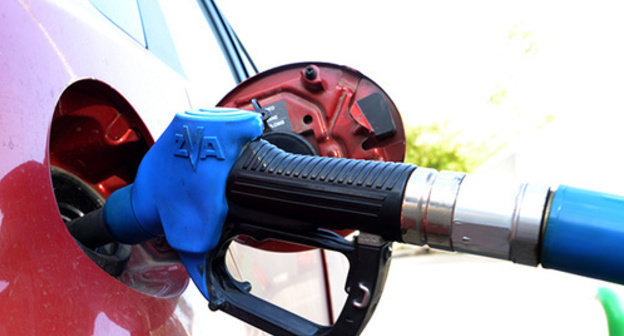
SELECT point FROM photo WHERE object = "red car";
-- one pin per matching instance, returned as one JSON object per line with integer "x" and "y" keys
{"x": 87, "y": 87}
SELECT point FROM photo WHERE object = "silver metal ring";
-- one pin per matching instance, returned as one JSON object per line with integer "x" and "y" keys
{"x": 439, "y": 216}
{"x": 527, "y": 224}
{"x": 415, "y": 199}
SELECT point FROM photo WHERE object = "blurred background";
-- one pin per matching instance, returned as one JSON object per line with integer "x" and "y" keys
{"x": 527, "y": 90}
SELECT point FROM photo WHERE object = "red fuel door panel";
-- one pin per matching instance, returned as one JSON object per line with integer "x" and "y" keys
{"x": 323, "y": 109}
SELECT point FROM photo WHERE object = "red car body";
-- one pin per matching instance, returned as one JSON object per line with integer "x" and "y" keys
{"x": 73, "y": 87}
{"x": 47, "y": 284}
{"x": 83, "y": 92}
{"x": 87, "y": 86}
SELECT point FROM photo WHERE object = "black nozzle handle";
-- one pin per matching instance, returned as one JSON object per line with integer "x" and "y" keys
{"x": 273, "y": 188}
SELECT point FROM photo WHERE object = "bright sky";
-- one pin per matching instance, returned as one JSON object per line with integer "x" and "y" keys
{"x": 490, "y": 67}
{"x": 444, "y": 59}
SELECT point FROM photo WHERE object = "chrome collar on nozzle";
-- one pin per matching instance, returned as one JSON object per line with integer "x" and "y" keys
{"x": 461, "y": 212}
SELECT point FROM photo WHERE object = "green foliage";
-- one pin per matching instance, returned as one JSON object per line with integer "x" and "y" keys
{"x": 499, "y": 96}
{"x": 434, "y": 146}
{"x": 525, "y": 38}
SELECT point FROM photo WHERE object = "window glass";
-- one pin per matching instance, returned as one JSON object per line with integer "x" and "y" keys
{"x": 124, "y": 14}
{"x": 201, "y": 57}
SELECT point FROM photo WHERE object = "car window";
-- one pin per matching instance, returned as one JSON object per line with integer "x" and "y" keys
{"x": 124, "y": 14}
{"x": 202, "y": 60}
{"x": 157, "y": 35}
{"x": 144, "y": 21}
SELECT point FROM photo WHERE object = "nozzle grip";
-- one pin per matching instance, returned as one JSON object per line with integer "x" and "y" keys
{"x": 271, "y": 187}
{"x": 369, "y": 261}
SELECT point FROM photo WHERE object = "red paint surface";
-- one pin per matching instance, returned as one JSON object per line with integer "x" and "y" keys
{"x": 48, "y": 277}
{"x": 47, "y": 284}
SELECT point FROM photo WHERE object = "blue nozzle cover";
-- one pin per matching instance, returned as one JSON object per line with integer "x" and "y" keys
{"x": 179, "y": 189}
{"x": 584, "y": 234}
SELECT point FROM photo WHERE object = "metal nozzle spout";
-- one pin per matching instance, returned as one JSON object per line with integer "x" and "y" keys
{"x": 461, "y": 212}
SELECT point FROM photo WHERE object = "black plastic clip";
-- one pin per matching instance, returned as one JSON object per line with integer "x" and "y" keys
{"x": 369, "y": 260}
{"x": 266, "y": 114}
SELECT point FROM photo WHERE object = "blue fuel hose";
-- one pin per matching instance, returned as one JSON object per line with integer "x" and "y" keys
{"x": 584, "y": 234}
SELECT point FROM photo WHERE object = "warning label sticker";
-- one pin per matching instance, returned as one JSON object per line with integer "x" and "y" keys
{"x": 279, "y": 120}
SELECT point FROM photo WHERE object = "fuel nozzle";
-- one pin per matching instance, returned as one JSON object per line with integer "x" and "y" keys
{"x": 179, "y": 190}
{"x": 209, "y": 166}
{"x": 206, "y": 166}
